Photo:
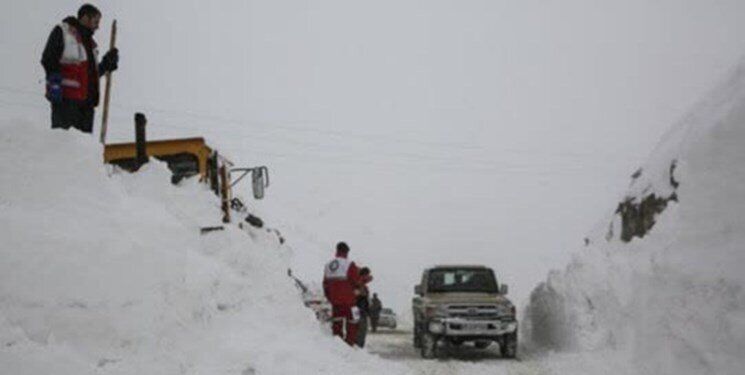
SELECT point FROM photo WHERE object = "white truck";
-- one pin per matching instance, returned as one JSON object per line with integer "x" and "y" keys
{"x": 456, "y": 304}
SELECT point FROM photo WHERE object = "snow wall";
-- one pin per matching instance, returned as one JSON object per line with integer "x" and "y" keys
{"x": 661, "y": 279}
{"x": 105, "y": 272}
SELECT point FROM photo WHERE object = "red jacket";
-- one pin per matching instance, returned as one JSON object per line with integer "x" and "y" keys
{"x": 340, "y": 279}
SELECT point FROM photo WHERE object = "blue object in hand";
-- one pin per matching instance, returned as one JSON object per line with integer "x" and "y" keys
{"x": 54, "y": 88}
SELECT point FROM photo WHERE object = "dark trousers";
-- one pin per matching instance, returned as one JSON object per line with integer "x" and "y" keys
{"x": 374, "y": 322}
{"x": 73, "y": 113}
{"x": 362, "y": 331}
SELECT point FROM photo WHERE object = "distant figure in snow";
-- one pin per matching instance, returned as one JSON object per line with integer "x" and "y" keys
{"x": 72, "y": 71}
{"x": 363, "y": 304}
{"x": 375, "y": 307}
{"x": 340, "y": 280}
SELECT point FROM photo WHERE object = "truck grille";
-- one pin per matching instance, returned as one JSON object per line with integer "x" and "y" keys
{"x": 475, "y": 312}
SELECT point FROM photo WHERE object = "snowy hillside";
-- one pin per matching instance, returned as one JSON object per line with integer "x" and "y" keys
{"x": 106, "y": 272}
{"x": 662, "y": 280}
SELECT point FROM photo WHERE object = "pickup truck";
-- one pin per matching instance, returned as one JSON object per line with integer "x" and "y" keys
{"x": 456, "y": 304}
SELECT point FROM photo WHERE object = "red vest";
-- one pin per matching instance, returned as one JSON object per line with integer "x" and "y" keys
{"x": 74, "y": 64}
{"x": 340, "y": 278}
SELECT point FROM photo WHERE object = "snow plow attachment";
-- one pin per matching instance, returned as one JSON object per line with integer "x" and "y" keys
{"x": 185, "y": 157}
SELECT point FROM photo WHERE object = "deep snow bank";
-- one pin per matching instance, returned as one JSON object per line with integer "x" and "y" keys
{"x": 672, "y": 298}
{"x": 105, "y": 272}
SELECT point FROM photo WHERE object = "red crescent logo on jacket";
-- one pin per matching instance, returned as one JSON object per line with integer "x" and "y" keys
{"x": 339, "y": 279}
{"x": 337, "y": 269}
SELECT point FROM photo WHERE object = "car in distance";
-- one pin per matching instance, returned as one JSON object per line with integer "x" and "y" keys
{"x": 387, "y": 318}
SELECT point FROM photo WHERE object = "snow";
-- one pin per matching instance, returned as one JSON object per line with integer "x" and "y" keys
{"x": 673, "y": 299}
{"x": 106, "y": 272}
{"x": 452, "y": 134}
{"x": 489, "y": 133}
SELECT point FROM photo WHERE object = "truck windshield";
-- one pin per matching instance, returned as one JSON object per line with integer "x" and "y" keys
{"x": 462, "y": 280}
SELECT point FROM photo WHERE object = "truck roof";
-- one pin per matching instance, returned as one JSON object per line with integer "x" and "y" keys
{"x": 476, "y": 266}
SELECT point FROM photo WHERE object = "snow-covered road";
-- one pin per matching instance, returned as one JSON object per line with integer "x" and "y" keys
{"x": 395, "y": 345}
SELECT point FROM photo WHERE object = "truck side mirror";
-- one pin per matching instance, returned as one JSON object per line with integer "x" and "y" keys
{"x": 260, "y": 180}
{"x": 503, "y": 289}
{"x": 418, "y": 290}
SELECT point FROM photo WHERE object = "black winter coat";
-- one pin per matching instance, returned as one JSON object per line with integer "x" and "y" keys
{"x": 363, "y": 303}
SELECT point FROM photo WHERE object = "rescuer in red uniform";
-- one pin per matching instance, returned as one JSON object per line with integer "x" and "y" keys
{"x": 340, "y": 281}
{"x": 72, "y": 70}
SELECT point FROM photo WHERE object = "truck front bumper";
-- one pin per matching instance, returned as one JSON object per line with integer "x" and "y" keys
{"x": 466, "y": 327}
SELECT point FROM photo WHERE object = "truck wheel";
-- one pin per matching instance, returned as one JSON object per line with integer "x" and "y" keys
{"x": 429, "y": 346}
{"x": 508, "y": 345}
{"x": 417, "y": 336}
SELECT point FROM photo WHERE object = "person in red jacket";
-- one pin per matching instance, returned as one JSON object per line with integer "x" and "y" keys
{"x": 72, "y": 70}
{"x": 340, "y": 281}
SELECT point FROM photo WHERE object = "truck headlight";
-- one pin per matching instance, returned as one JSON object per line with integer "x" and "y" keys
{"x": 436, "y": 311}
{"x": 436, "y": 327}
{"x": 506, "y": 310}
{"x": 510, "y": 327}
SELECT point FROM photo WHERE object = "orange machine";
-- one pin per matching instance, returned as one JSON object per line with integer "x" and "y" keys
{"x": 185, "y": 157}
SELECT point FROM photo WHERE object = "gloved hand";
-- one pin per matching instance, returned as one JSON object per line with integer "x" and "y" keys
{"x": 54, "y": 88}
{"x": 110, "y": 61}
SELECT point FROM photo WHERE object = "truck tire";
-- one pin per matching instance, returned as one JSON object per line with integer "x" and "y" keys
{"x": 508, "y": 345}
{"x": 417, "y": 336}
{"x": 429, "y": 346}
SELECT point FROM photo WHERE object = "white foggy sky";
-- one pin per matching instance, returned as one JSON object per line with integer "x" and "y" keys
{"x": 419, "y": 131}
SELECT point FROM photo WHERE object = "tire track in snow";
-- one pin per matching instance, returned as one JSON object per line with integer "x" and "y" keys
{"x": 397, "y": 346}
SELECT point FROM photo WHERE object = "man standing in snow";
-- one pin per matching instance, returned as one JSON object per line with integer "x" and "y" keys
{"x": 72, "y": 71}
{"x": 363, "y": 304}
{"x": 340, "y": 280}
{"x": 375, "y": 307}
